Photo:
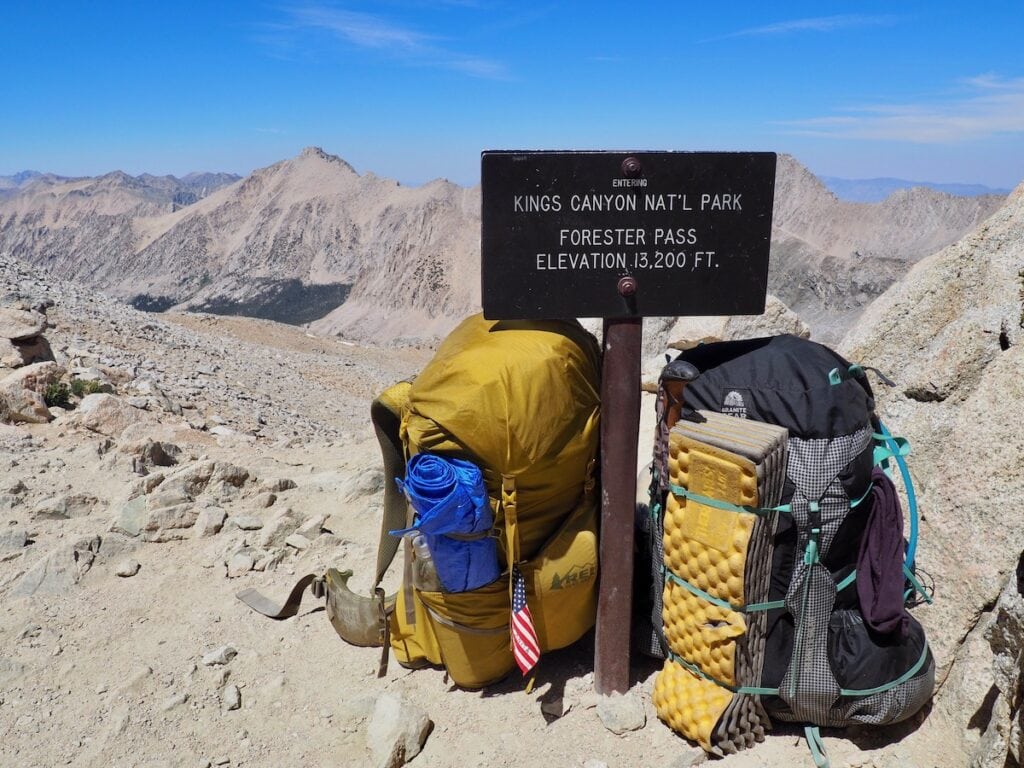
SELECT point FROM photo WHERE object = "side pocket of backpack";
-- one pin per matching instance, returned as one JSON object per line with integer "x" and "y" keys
{"x": 561, "y": 581}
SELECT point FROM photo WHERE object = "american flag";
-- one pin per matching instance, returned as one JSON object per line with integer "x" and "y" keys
{"x": 525, "y": 647}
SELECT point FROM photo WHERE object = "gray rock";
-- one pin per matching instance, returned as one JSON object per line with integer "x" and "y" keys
{"x": 209, "y": 521}
{"x": 156, "y": 453}
{"x": 279, "y": 528}
{"x": 689, "y": 758}
{"x": 22, "y": 406}
{"x": 240, "y": 564}
{"x": 297, "y": 541}
{"x": 231, "y": 698}
{"x": 245, "y": 522}
{"x": 219, "y": 656}
{"x": 12, "y": 539}
{"x": 16, "y": 324}
{"x": 1001, "y": 742}
{"x": 173, "y": 701}
{"x": 396, "y": 731}
{"x": 279, "y": 485}
{"x": 128, "y": 568}
{"x": 35, "y": 378}
{"x": 15, "y": 354}
{"x": 10, "y": 355}
{"x": 265, "y": 499}
{"x": 132, "y": 517}
{"x": 622, "y": 713}
{"x": 170, "y": 523}
{"x": 312, "y": 527}
{"x": 64, "y": 507}
{"x": 10, "y": 670}
{"x": 107, "y": 414}
{"x": 59, "y": 571}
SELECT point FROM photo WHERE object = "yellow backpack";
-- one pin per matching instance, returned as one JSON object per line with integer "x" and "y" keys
{"x": 521, "y": 400}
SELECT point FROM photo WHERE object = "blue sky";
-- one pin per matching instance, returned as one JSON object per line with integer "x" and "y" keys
{"x": 415, "y": 89}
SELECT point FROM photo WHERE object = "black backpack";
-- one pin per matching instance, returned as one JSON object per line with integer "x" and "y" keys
{"x": 828, "y": 659}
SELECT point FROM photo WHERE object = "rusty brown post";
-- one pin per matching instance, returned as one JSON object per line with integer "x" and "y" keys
{"x": 620, "y": 415}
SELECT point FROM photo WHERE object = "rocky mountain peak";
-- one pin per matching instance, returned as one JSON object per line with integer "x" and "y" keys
{"x": 316, "y": 153}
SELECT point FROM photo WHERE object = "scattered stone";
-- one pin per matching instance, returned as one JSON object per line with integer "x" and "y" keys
{"x": 231, "y": 698}
{"x": 29, "y": 631}
{"x": 365, "y": 483}
{"x": 265, "y": 499}
{"x": 279, "y": 485}
{"x": 170, "y": 523}
{"x": 64, "y": 507}
{"x": 20, "y": 405}
{"x": 10, "y": 355}
{"x": 297, "y": 541}
{"x": 311, "y": 528}
{"x": 107, "y": 414}
{"x": 156, "y": 453}
{"x": 175, "y": 700}
{"x": 245, "y": 522}
{"x": 690, "y": 757}
{"x": 622, "y": 713}
{"x": 279, "y": 528}
{"x": 18, "y": 324}
{"x": 222, "y": 761}
{"x": 10, "y": 670}
{"x": 270, "y": 560}
{"x": 128, "y": 568}
{"x": 556, "y": 708}
{"x": 240, "y": 564}
{"x": 209, "y": 522}
{"x": 219, "y": 656}
{"x": 13, "y": 539}
{"x": 335, "y": 524}
{"x": 222, "y": 431}
{"x": 396, "y": 731}
{"x": 16, "y": 487}
{"x": 132, "y": 517}
{"x": 59, "y": 571}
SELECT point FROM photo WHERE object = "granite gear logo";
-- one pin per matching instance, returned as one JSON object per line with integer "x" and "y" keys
{"x": 733, "y": 405}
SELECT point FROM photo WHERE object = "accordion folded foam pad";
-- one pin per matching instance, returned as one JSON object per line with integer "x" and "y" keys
{"x": 726, "y": 555}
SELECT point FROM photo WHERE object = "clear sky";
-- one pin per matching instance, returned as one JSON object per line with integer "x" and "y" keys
{"x": 415, "y": 89}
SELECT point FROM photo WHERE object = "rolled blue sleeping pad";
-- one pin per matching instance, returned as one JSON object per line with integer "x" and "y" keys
{"x": 451, "y": 502}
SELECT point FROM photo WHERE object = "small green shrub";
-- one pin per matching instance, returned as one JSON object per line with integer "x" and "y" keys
{"x": 57, "y": 395}
{"x": 83, "y": 387}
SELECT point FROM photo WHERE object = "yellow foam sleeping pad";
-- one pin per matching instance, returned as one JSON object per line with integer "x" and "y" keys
{"x": 707, "y": 547}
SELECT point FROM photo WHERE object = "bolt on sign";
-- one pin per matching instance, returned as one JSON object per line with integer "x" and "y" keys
{"x": 690, "y": 232}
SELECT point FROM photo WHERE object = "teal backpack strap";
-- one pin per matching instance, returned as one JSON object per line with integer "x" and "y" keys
{"x": 817, "y": 746}
{"x": 898, "y": 452}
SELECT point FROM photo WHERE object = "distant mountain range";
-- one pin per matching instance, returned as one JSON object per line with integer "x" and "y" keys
{"x": 876, "y": 190}
{"x": 309, "y": 240}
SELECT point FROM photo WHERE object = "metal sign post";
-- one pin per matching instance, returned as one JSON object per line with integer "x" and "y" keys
{"x": 623, "y": 236}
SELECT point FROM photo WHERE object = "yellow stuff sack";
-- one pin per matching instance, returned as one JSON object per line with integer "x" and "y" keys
{"x": 521, "y": 400}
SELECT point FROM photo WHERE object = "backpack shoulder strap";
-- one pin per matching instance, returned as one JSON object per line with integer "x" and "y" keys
{"x": 386, "y": 413}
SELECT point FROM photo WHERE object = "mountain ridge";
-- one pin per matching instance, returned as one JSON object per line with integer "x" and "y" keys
{"x": 404, "y": 261}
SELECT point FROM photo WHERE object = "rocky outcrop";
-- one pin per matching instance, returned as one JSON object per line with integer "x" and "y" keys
{"x": 950, "y": 335}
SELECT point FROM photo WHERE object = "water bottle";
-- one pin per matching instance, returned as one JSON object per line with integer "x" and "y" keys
{"x": 424, "y": 572}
